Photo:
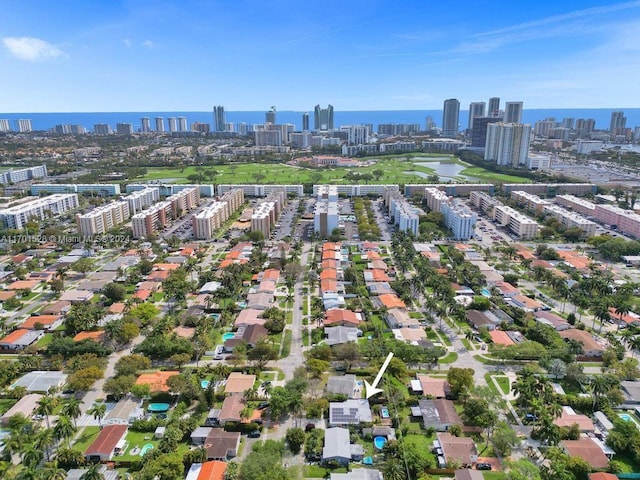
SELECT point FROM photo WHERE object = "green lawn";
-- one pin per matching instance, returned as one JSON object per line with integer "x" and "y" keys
{"x": 86, "y": 438}
{"x": 316, "y": 471}
{"x": 448, "y": 358}
{"x": 397, "y": 170}
{"x": 6, "y": 404}
{"x": 503, "y": 383}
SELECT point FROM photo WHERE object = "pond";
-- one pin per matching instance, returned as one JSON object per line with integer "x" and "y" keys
{"x": 445, "y": 170}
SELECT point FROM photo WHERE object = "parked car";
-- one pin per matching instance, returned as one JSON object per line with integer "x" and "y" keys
{"x": 483, "y": 466}
{"x": 254, "y": 434}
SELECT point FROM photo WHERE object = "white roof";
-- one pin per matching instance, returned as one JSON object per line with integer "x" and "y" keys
{"x": 41, "y": 381}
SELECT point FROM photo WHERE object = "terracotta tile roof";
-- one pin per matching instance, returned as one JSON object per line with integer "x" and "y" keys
{"x": 391, "y": 300}
{"x": 142, "y": 294}
{"x": 231, "y": 408}
{"x": 239, "y": 382}
{"x": 23, "y": 285}
{"x": 339, "y": 316}
{"x": 96, "y": 336}
{"x": 328, "y": 285}
{"x": 586, "y": 449}
{"x": 329, "y": 274}
{"x": 6, "y": 296}
{"x": 271, "y": 274}
{"x": 501, "y": 338}
{"x": 434, "y": 387}
{"x": 116, "y": 307}
{"x": 156, "y": 380}
{"x": 329, "y": 263}
{"x": 15, "y": 335}
{"x": 45, "y": 320}
{"x": 584, "y": 337}
{"x": 213, "y": 470}
{"x": 602, "y": 476}
{"x": 185, "y": 332}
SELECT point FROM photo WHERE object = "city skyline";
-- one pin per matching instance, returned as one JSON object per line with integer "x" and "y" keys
{"x": 126, "y": 56}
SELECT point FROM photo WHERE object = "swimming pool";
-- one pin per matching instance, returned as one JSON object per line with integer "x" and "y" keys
{"x": 146, "y": 448}
{"x": 485, "y": 292}
{"x": 379, "y": 442}
{"x": 228, "y": 336}
{"x": 241, "y": 304}
{"x": 158, "y": 407}
{"x": 205, "y": 384}
{"x": 384, "y": 412}
{"x": 628, "y": 418}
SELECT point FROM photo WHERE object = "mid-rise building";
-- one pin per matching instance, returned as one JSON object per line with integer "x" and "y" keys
{"x": 323, "y": 118}
{"x": 571, "y": 219}
{"x": 435, "y": 198}
{"x": 103, "y": 218}
{"x": 159, "y": 215}
{"x": 450, "y": 118}
{"x": 325, "y": 217}
{"x": 41, "y": 208}
{"x": 206, "y": 222}
{"x": 521, "y": 225}
{"x": 476, "y": 110}
{"x": 124, "y": 128}
{"x": 404, "y": 215}
{"x": 267, "y": 213}
{"x": 24, "y": 125}
{"x": 301, "y": 139}
{"x": 265, "y": 138}
{"x": 200, "y": 127}
{"x": 23, "y": 174}
{"x": 159, "y": 124}
{"x": 459, "y": 219}
{"x": 357, "y": 134}
{"x": 508, "y": 143}
{"x": 513, "y": 112}
{"x": 580, "y": 205}
{"x": 141, "y": 199}
{"x": 97, "y": 189}
{"x": 484, "y": 202}
{"x": 101, "y": 129}
{"x": 254, "y": 190}
{"x": 552, "y": 189}
{"x": 145, "y": 125}
{"x": 529, "y": 201}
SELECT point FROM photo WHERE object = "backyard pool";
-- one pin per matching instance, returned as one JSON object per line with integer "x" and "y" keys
{"x": 241, "y": 304}
{"x": 228, "y": 336}
{"x": 485, "y": 292}
{"x": 146, "y": 448}
{"x": 379, "y": 442}
{"x": 205, "y": 384}
{"x": 158, "y": 407}
{"x": 367, "y": 461}
{"x": 628, "y": 418}
{"x": 384, "y": 412}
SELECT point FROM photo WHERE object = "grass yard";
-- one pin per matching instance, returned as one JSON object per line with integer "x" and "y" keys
{"x": 399, "y": 169}
{"x": 316, "y": 471}
{"x": 503, "y": 383}
{"x": 448, "y": 358}
{"x": 85, "y": 438}
{"x": 6, "y": 404}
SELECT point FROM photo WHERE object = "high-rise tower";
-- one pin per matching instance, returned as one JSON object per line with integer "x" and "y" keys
{"x": 476, "y": 110}
{"x": 494, "y": 107}
{"x": 270, "y": 116}
{"x": 450, "y": 117}
{"x": 513, "y": 112}
{"x": 146, "y": 125}
{"x": 618, "y": 121}
{"x": 305, "y": 122}
{"x": 323, "y": 118}
{"x": 218, "y": 118}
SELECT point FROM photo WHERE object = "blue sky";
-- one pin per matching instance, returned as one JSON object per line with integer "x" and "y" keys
{"x": 148, "y": 55}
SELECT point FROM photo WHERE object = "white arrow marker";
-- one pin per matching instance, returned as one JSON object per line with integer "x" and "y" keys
{"x": 371, "y": 390}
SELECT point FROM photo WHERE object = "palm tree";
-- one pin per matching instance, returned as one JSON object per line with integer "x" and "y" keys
{"x": 44, "y": 440}
{"x": 64, "y": 429}
{"x": 46, "y": 406}
{"x": 93, "y": 473}
{"x": 622, "y": 310}
{"x": 53, "y": 472}
{"x": 72, "y": 409}
{"x": 98, "y": 411}
{"x": 32, "y": 457}
{"x": 634, "y": 345}
{"x": 28, "y": 474}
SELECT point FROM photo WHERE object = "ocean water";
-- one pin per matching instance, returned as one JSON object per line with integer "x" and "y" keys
{"x": 46, "y": 121}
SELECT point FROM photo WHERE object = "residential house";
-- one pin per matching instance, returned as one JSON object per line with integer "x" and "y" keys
{"x": 253, "y": 333}
{"x": 342, "y": 317}
{"x": 457, "y": 450}
{"x": 259, "y": 301}
{"x": 249, "y": 316}
{"x": 478, "y": 319}
{"x": 358, "y": 474}
{"x": 20, "y": 339}
{"x": 76, "y": 296}
{"x": 221, "y": 445}
{"x": 43, "y": 322}
{"x": 349, "y": 412}
{"x": 25, "y": 406}
{"x": 588, "y": 450}
{"x": 199, "y": 436}
{"x": 569, "y": 417}
{"x": 157, "y": 381}
{"x": 338, "y": 447}
{"x": 238, "y": 383}
{"x": 590, "y": 348}
{"x": 340, "y": 335}
{"x": 431, "y": 387}
{"x": 399, "y": 318}
{"x": 631, "y": 391}
{"x": 109, "y": 442}
{"x": 438, "y": 414}
{"x": 343, "y": 385}
{"x": 551, "y": 319}
{"x": 468, "y": 474}
{"x": 230, "y": 410}
{"x": 125, "y": 412}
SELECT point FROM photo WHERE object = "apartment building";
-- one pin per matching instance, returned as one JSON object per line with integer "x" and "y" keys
{"x": 460, "y": 220}
{"x": 404, "y": 215}
{"x": 571, "y": 219}
{"x": 206, "y": 222}
{"x": 23, "y": 174}
{"x": 435, "y": 198}
{"x": 261, "y": 190}
{"x": 141, "y": 199}
{"x": 584, "y": 207}
{"x": 261, "y": 218}
{"x": 101, "y": 189}
{"x": 103, "y": 218}
{"x": 168, "y": 189}
{"x": 151, "y": 220}
{"x": 552, "y": 189}
{"x": 451, "y": 189}
{"x": 41, "y": 208}
{"x": 184, "y": 201}
{"x": 325, "y": 217}
{"x": 529, "y": 201}
{"x": 484, "y": 202}
{"x": 521, "y": 225}
{"x": 626, "y": 221}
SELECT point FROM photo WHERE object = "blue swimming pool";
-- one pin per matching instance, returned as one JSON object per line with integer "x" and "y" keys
{"x": 379, "y": 442}
{"x": 367, "y": 461}
{"x": 158, "y": 407}
{"x": 384, "y": 412}
{"x": 228, "y": 336}
{"x": 146, "y": 448}
{"x": 205, "y": 384}
{"x": 485, "y": 292}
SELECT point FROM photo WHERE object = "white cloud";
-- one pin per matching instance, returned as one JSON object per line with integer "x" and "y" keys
{"x": 127, "y": 42}
{"x": 31, "y": 49}
{"x": 148, "y": 44}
